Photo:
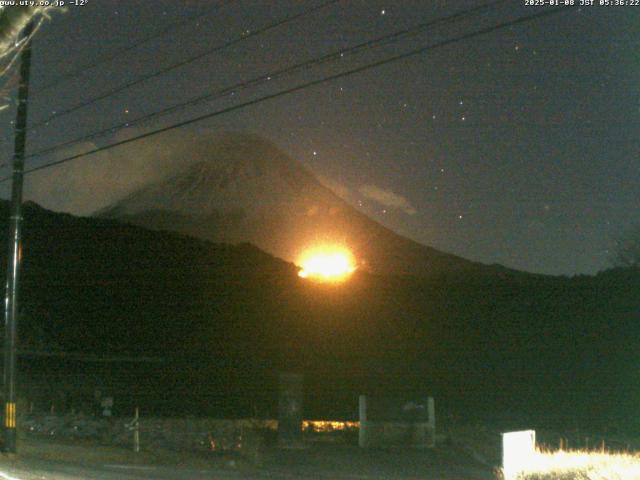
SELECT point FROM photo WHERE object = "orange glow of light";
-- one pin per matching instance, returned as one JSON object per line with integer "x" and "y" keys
{"x": 330, "y": 264}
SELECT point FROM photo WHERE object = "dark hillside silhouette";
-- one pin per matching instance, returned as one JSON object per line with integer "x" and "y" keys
{"x": 226, "y": 318}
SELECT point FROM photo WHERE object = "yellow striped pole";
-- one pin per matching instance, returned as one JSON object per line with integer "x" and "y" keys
{"x": 10, "y": 415}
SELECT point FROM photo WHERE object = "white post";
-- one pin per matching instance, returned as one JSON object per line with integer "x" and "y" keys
{"x": 431, "y": 416}
{"x": 136, "y": 432}
{"x": 518, "y": 452}
{"x": 362, "y": 433}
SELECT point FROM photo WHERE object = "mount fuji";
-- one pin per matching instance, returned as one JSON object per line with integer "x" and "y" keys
{"x": 241, "y": 188}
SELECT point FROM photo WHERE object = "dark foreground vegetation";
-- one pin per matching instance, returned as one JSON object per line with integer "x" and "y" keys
{"x": 225, "y": 319}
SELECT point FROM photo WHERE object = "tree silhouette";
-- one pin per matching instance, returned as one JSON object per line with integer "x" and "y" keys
{"x": 627, "y": 252}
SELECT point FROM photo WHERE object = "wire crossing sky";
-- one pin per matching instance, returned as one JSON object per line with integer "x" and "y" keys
{"x": 518, "y": 146}
{"x": 284, "y": 92}
{"x": 267, "y": 77}
{"x": 243, "y": 37}
{"x": 115, "y": 55}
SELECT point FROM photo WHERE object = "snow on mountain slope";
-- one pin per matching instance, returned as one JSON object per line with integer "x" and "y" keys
{"x": 241, "y": 188}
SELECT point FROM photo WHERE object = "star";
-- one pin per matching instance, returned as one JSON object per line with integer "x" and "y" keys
{"x": 385, "y": 121}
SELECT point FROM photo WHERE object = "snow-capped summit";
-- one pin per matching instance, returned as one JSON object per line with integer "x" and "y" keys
{"x": 242, "y": 188}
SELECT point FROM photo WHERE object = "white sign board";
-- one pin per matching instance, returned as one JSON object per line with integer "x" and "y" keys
{"x": 518, "y": 452}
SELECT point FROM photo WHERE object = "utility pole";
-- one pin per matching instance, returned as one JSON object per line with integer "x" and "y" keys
{"x": 15, "y": 249}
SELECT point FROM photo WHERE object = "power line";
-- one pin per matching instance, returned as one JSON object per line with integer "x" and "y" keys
{"x": 117, "y": 53}
{"x": 336, "y": 54}
{"x": 90, "y": 357}
{"x": 302, "y": 86}
{"x": 182, "y": 63}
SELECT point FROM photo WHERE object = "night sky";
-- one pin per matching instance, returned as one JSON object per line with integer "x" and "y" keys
{"x": 517, "y": 147}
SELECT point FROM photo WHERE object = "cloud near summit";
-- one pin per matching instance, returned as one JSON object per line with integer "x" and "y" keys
{"x": 387, "y": 198}
{"x": 88, "y": 184}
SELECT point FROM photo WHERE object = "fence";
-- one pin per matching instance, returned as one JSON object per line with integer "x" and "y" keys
{"x": 393, "y": 422}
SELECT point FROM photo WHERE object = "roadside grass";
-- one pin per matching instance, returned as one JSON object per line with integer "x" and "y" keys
{"x": 554, "y": 460}
{"x": 581, "y": 465}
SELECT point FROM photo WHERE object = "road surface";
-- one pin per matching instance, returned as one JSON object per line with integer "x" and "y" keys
{"x": 316, "y": 462}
